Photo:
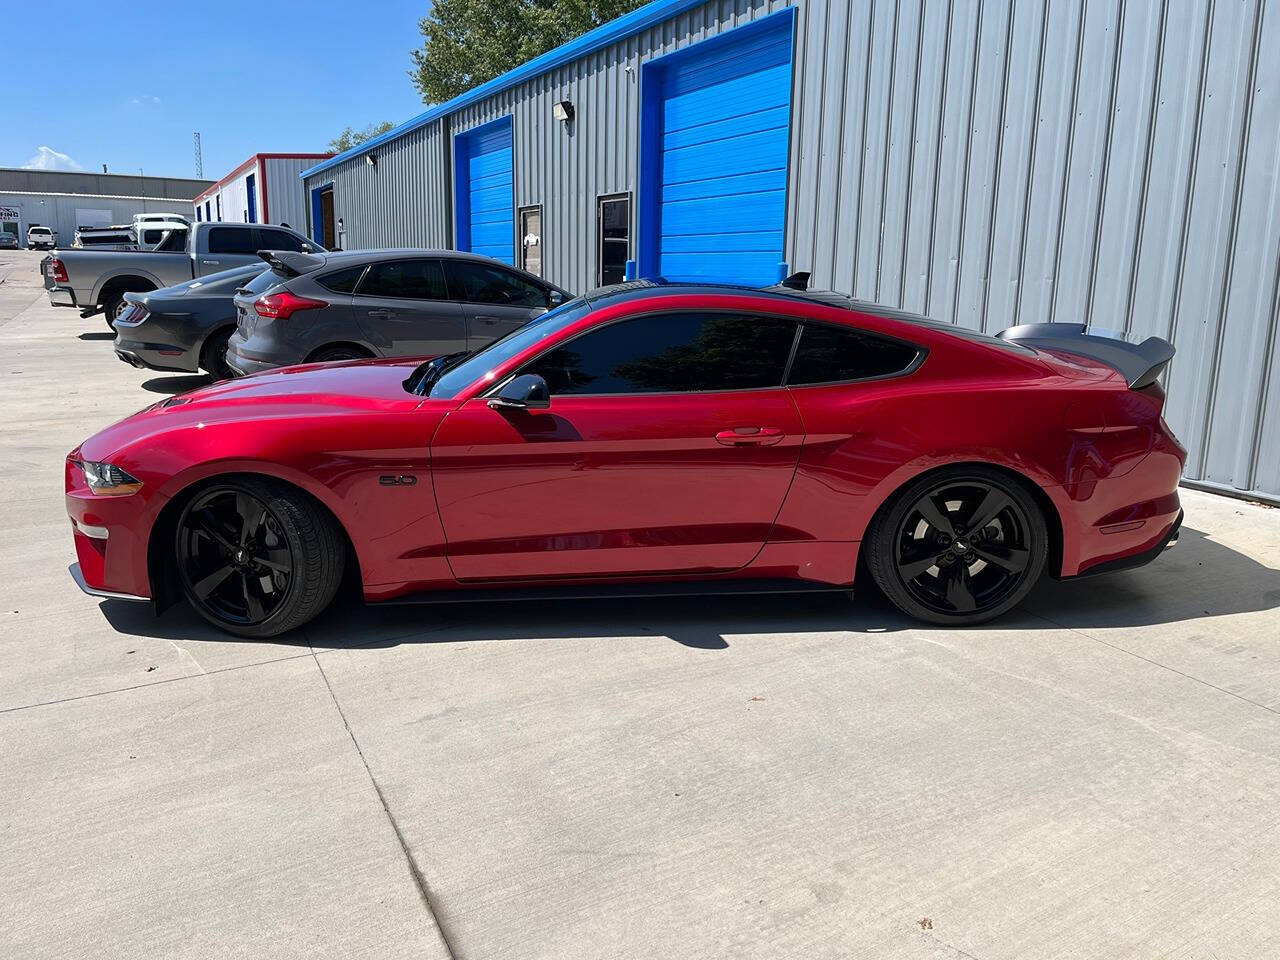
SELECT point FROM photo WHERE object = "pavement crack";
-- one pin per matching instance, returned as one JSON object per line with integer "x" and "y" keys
{"x": 153, "y": 683}
{"x": 1157, "y": 663}
{"x": 419, "y": 880}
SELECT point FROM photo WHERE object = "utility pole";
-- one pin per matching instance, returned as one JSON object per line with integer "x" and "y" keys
{"x": 199, "y": 161}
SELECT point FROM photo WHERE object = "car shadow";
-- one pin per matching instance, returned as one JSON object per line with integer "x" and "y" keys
{"x": 99, "y": 335}
{"x": 177, "y": 384}
{"x": 1199, "y": 577}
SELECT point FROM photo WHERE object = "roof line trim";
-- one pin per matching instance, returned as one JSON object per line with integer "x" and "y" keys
{"x": 602, "y": 36}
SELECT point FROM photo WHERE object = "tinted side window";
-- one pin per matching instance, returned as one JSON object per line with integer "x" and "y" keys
{"x": 278, "y": 240}
{"x": 829, "y": 355}
{"x": 671, "y": 353}
{"x": 342, "y": 281}
{"x": 480, "y": 283}
{"x": 405, "y": 280}
{"x": 231, "y": 240}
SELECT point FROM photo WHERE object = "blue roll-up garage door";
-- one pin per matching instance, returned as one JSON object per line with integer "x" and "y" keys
{"x": 717, "y": 140}
{"x": 483, "y": 191}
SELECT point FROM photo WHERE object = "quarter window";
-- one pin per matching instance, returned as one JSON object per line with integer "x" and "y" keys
{"x": 342, "y": 281}
{"x": 405, "y": 280}
{"x": 828, "y": 354}
{"x": 475, "y": 282}
{"x": 671, "y": 353}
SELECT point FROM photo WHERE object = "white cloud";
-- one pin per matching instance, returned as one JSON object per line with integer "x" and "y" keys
{"x": 144, "y": 101}
{"x": 47, "y": 158}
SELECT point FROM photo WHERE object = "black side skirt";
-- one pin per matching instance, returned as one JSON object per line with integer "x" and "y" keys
{"x": 677, "y": 588}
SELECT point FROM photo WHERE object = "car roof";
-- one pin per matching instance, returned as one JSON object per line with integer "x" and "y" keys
{"x": 337, "y": 258}
{"x": 660, "y": 286}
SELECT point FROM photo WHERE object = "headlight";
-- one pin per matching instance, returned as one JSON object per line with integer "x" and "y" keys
{"x": 108, "y": 480}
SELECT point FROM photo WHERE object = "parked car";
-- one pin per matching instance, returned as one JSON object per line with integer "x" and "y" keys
{"x": 380, "y": 303}
{"x": 95, "y": 281}
{"x": 9, "y": 242}
{"x": 40, "y": 238}
{"x": 184, "y": 327}
{"x": 647, "y": 439}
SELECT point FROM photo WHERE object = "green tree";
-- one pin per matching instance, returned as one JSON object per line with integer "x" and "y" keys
{"x": 466, "y": 42}
{"x": 351, "y": 137}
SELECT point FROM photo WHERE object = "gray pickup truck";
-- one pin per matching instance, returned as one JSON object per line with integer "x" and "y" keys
{"x": 96, "y": 280}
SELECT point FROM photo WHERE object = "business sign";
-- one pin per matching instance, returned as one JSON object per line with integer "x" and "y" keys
{"x": 10, "y": 218}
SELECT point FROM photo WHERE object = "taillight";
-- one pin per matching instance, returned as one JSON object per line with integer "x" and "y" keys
{"x": 58, "y": 270}
{"x": 283, "y": 305}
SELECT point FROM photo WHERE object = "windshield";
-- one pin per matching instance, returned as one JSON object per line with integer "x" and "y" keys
{"x": 483, "y": 363}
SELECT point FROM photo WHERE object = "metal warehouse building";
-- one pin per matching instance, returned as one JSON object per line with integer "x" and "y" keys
{"x": 985, "y": 163}
{"x": 263, "y": 189}
{"x": 65, "y": 200}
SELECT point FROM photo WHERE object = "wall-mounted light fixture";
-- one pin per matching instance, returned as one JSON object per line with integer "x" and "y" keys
{"x": 370, "y": 159}
{"x": 563, "y": 111}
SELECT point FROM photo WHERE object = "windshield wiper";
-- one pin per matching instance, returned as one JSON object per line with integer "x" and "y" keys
{"x": 426, "y": 374}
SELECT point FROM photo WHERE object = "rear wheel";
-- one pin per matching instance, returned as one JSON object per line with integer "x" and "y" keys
{"x": 959, "y": 547}
{"x": 213, "y": 357}
{"x": 257, "y": 558}
{"x": 338, "y": 352}
{"x": 113, "y": 306}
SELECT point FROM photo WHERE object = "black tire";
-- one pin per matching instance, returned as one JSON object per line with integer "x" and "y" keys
{"x": 213, "y": 357}
{"x": 112, "y": 307}
{"x": 275, "y": 571}
{"x": 933, "y": 565}
{"x": 337, "y": 353}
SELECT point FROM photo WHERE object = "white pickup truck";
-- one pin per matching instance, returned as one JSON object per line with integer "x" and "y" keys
{"x": 40, "y": 238}
{"x": 96, "y": 280}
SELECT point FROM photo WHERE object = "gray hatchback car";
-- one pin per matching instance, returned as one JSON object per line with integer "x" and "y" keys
{"x": 379, "y": 303}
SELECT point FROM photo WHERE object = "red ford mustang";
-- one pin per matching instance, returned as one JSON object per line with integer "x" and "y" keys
{"x": 647, "y": 439}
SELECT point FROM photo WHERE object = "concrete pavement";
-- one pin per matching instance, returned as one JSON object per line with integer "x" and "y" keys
{"x": 1096, "y": 775}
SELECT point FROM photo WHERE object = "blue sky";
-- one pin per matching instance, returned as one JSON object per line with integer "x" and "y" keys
{"x": 128, "y": 82}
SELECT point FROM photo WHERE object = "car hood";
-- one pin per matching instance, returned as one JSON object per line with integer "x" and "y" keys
{"x": 356, "y": 387}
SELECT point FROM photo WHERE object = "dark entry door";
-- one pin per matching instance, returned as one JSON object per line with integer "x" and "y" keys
{"x": 327, "y": 232}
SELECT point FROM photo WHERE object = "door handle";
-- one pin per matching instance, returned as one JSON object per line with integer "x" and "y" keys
{"x": 744, "y": 436}
{"x": 210, "y": 263}
{"x": 381, "y": 313}
{"x": 488, "y": 320}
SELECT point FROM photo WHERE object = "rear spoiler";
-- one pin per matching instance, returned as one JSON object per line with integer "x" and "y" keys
{"x": 289, "y": 264}
{"x": 1139, "y": 363}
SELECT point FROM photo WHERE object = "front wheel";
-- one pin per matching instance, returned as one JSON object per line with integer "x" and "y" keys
{"x": 256, "y": 557}
{"x": 959, "y": 547}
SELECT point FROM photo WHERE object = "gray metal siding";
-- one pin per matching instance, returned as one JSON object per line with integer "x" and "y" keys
{"x": 983, "y": 162}
{"x": 284, "y": 191}
{"x": 400, "y": 202}
{"x": 1110, "y": 162}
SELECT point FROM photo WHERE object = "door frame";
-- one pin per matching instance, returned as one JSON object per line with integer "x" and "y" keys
{"x": 542, "y": 246}
{"x": 601, "y": 200}
{"x": 317, "y": 212}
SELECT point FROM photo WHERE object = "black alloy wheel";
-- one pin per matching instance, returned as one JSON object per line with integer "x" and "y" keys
{"x": 235, "y": 561}
{"x": 959, "y": 548}
{"x": 257, "y": 557}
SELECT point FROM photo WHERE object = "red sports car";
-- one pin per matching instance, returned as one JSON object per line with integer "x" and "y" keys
{"x": 647, "y": 439}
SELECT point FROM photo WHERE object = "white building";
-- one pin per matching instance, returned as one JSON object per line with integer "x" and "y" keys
{"x": 263, "y": 189}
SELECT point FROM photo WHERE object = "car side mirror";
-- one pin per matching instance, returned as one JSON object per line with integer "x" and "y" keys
{"x": 525, "y": 392}
{"x": 554, "y": 299}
